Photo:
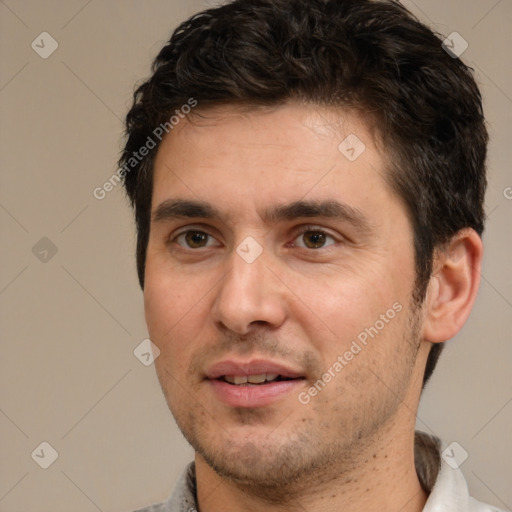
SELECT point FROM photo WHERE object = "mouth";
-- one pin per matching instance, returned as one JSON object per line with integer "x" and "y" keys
{"x": 256, "y": 383}
{"x": 254, "y": 380}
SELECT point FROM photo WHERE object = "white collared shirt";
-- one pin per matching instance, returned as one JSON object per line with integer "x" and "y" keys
{"x": 450, "y": 494}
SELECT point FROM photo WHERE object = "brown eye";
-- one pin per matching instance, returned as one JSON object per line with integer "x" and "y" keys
{"x": 314, "y": 239}
{"x": 195, "y": 239}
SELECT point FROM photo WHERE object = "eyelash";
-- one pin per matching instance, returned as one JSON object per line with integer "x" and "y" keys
{"x": 174, "y": 239}
{"x": 316, "y": 230}
{"x": 303, "y": 230}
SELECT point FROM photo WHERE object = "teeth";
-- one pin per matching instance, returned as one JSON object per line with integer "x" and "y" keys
{"x": 251, "y": 379}
{"x": 257, "y": 379}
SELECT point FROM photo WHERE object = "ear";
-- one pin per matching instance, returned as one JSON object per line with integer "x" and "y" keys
{"x": 453, "y": 286}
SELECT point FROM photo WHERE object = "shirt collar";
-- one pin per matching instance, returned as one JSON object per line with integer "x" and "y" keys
{"x": 450, "y": 492}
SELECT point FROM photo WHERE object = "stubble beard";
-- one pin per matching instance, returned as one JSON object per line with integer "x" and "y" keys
{"x": 279, "y": 466}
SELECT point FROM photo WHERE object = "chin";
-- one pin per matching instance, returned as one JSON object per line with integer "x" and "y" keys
{"x": 256, "y": 467}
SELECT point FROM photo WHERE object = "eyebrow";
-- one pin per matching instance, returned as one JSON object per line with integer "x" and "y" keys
{"x": 171, "y": 209}
{"x": 328, "y": 209}
{"x": 180, "y": 208}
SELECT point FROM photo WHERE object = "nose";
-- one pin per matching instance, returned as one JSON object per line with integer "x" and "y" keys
{"x": 249, "y": 295}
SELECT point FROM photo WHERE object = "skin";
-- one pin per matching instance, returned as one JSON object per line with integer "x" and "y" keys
{"x": 300, "y": 304}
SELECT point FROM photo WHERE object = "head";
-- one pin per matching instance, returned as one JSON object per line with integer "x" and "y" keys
{"x": 287, "y": 71}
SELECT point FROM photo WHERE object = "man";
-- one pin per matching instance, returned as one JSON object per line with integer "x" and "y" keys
{"x": 308, "y": 180}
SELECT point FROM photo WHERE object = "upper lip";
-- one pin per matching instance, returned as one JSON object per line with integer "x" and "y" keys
{"x": 253, "y": 367}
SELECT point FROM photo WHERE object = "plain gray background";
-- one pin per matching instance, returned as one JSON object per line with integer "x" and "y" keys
{"x": 71, "y": 320}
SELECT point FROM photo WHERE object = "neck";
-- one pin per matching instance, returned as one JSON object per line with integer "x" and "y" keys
{"x": 384, "y": 478}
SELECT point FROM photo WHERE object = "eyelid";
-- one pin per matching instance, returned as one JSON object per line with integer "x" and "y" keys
{"x": 193, "y": 227}
{"x": 316, "y": 228}
{"x": 212, "y": 232}
{"x": 337, "y": 238}
{"x": 201, "y": 228}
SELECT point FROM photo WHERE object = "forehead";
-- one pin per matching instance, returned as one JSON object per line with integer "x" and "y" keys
{"x": 270, "y": 156}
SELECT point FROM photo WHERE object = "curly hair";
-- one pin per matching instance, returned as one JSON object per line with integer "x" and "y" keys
{"x": 371, "y": 56}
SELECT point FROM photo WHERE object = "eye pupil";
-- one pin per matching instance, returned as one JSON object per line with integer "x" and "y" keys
{"x": 196, "y": 239}
{"x": 314, "y": 239}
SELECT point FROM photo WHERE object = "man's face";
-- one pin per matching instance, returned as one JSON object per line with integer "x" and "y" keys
{"x": 273, "y": 253}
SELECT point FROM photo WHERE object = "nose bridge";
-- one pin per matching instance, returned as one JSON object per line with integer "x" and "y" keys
{"x": 248, "y": 294}
{"x": 245, "y": 279}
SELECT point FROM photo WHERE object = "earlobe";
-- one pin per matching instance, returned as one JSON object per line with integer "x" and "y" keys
{"x": 453, "y": 286}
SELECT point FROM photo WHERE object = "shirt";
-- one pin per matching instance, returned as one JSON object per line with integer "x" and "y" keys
{"x": 449, "y": 494}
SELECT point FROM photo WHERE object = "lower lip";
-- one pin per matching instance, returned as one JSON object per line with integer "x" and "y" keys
{"x": 254, "y": 396}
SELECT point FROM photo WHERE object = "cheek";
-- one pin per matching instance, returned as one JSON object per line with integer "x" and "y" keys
{"x": 166, "y": 304}
{"x": 158, "y": 308}
{"x": 376, "y": 364}
{"x": 177, "y": 316}
{"x": 336, "y": 309}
